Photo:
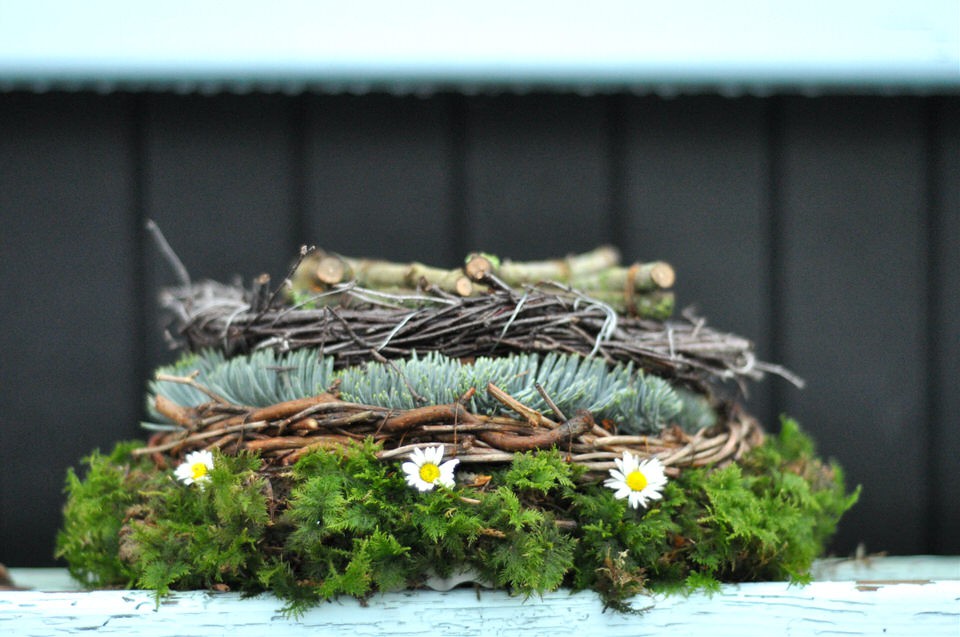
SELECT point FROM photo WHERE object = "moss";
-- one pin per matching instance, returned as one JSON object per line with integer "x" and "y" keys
{"x": 96, "y": 508}
{"x": 201, "y": 537}
{"x": 347, "y": 524}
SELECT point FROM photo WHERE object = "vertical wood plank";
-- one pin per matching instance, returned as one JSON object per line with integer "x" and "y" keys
{"x": 70, "y": 315}
{"x": 219, "y": 181}
{"x": 537, "y": 175}
{"x": 855, "y": 302}
{"x": 379, "y": 178}
{"x": 945, "y": 333}
{"x": 695, "y": 177}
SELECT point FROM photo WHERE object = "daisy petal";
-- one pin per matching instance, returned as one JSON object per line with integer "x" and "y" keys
{"x": 637, "y": 480}
{"x": 424, "y": 470}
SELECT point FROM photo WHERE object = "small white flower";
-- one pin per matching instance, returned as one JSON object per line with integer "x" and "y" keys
{"x": 637, "y": 480}
{"x": 195, "y": 467}
{"x": 424, "y": 470}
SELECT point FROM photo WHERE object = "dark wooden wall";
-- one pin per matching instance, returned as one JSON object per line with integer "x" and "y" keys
{"x": 827, "y": 229}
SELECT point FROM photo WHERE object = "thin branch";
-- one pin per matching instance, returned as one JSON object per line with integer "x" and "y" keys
{"x": 192, "y": 382}
{"x": 533, "y": 416}
{"x": 304, "y": 251}
{"x": 178, "y": 268}
{"x": 417, "y": 398}
{"x": 186, "y": 441}
{"x": 546, "y": 398}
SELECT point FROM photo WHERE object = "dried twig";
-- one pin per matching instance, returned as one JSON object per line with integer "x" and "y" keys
{"x": 284, "y": 432}
{"x": 168, "y": 252}
{"x": 501, "y": 322}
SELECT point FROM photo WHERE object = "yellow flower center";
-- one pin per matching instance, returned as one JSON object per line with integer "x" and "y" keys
{"x": 199, "y": 470}
{"x": 637, "y": 481}
{"x": 429, "y": 472}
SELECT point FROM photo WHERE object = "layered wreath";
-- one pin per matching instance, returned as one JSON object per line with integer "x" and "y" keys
{"x": 368, "y": 426}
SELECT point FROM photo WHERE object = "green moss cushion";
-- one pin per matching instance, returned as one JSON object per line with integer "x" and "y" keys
{"x": 346, "y": 522}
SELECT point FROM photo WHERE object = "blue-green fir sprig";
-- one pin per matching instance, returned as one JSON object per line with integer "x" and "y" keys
{"x": 638, "y": 402}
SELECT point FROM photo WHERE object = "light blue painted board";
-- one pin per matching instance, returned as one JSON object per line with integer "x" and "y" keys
{"x": 836, "y": 569}
{"x": 891, "y": 607}
{"x": 907, "y": 609}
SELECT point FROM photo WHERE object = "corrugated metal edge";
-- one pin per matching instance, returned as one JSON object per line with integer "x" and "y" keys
{"x": 425, "y": 87}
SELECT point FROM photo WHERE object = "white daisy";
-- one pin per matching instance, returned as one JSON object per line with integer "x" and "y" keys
{"x": 424, "y": 470}
{"x": 195, "y": 467}
{"x": 637, "y": 480}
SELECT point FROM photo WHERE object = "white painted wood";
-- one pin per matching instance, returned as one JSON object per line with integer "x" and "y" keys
{"x": 891, "y": 599}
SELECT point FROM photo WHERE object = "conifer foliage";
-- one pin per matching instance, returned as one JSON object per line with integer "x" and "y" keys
{"x": 637, "y": 401}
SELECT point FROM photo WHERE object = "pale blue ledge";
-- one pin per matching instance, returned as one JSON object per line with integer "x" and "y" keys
{"x": 737, "y": 45}
{"x": 928, "y": 567}
{"x": 906, "y": 596}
